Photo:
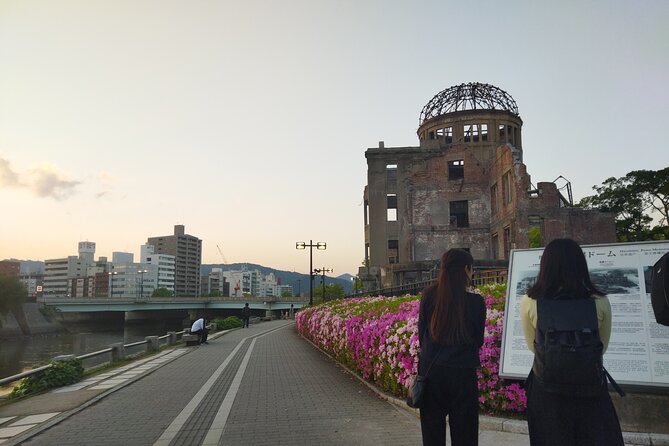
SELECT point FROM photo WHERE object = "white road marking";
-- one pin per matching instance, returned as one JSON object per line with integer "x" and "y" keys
{"x": 173, "y": 429}
{"x": 215, "y": 432}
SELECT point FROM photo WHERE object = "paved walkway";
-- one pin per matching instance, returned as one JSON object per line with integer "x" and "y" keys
{"x": 263, "y": 385}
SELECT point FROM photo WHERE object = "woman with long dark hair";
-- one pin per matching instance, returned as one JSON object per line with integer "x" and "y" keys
{"x": 451, "y": 322}
{"x": 553, "y": 416}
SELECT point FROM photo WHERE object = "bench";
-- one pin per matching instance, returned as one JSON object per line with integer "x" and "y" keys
{"x": 191, "y": 339}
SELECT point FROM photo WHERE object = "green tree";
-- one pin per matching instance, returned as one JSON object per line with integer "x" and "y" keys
{"x": 653, "y": 186}
{"x": 12, "y": 294}
{"x": 332, "y": 291}
{"x": 286, "y": 293}
{"x": 161, "y": 292}
{"x": 631, "y": 199}
{"x": 215, "y": 293}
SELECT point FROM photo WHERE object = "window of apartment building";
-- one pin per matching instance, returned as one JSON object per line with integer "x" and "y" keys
{"x": 391, "y": 172}
{"x": 506, "y": 188}
{"x": 456, "y": 169}
{"x": 507, "y": 242}
{"x": 494, "y": 244}
{"x": 459, "y": 213}
{"x": 446, "y": 133}
{"x": 493, "y": 199}
{"x": 392, "y": 207}
{"x": 393, "y": 251}
{"x": 534, "y": 231}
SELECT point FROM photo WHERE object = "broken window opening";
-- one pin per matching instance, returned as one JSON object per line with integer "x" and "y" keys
{"x": 494, "y": 244}
{"x": 493, "y": 199}
{"x": 506, "y": 188}
{"x": 459, "y": 213}
{"x": 446, "y": 133}
{"x": 467, "y": 133}
{"x": 391, "y": 172}
{"x": 507, "y": 242}
{"x": 391, "y": 204}
{"x": 366, "y": 212}
{"x": 534, "y": 231}
{"x": 484, "y": 132}
{"x": 431, "y": 135}
{"x": 456, "y": 169}
{"x": 393, "y": 251}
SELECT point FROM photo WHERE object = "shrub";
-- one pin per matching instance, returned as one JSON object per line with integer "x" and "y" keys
{"x": 61, "y": 373}
{"x": 228, "y": 323}
{"x": 378, "y": 338}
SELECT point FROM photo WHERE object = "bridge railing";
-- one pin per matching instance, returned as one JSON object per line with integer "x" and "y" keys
{"x": 115, "y": 352}
{"x": 130, "y": 299}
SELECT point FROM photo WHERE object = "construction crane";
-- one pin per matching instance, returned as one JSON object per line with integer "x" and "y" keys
{"x": 225, "y": 261}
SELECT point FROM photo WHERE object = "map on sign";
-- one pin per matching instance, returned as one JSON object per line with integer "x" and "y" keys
{"x": 638, "y": 352}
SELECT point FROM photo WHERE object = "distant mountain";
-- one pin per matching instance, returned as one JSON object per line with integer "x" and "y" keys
{"x": 346, "y": 276}
{"x": 300, "y": 282}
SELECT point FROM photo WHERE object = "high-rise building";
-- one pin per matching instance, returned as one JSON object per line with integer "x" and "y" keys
{"x": 187, "y": 250}
{"x": 164, "y": 267}
{"x": 75, "y": 276}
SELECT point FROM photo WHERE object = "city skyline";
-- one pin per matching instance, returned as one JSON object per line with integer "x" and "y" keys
{"x": 248, "y": 123}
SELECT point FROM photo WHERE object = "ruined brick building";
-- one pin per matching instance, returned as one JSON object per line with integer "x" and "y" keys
{"x": 464, "y": 186}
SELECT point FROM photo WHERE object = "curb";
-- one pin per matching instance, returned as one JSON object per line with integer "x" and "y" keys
{"x": 490, "y": 423}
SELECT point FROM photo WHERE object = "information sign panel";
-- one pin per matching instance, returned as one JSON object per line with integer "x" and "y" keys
{"x": 638, "y": 351}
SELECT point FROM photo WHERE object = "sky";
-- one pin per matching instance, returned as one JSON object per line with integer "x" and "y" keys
{"x": 248, "y": 122}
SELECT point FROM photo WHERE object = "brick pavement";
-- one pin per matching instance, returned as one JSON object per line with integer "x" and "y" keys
{"x": 257, "y": 386}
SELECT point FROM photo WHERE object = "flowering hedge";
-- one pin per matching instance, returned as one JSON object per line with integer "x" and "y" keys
{"x": 378, "y": 338}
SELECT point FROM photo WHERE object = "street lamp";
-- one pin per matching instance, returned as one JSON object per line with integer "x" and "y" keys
{"x": 111, "y": 283}
{"x": 141, "y": 283}
{"x": 322, "y": 271}
{"x": 319, "y": 245}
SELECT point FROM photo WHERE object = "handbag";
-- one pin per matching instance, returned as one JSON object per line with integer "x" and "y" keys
{"x": 417, "y": 390}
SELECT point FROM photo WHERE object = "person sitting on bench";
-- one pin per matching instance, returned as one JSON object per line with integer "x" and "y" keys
{"x": 200, "y": 329}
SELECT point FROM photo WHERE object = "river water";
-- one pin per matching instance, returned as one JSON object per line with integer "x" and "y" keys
{"x": 24, "y": 353}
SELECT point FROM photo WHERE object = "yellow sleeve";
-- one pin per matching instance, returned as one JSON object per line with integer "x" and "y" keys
{"x": 528, "y": 319}
{"x": 604, "y": 318}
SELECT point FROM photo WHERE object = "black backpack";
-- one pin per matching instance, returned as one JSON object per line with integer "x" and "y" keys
{"x": 568, "y": 353}
{"x": 659, "y": 294}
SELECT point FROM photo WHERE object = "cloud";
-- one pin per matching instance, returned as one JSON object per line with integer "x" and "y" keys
{"x": 43, "y": 181}
{"x": 8, "y": 178}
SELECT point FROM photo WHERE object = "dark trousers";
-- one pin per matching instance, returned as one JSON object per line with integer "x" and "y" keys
{"x": 454, "y": 392}
{"x": 202, "y": 334}
{"x": 245, "y": 321}
{"x": 557, "y": 420}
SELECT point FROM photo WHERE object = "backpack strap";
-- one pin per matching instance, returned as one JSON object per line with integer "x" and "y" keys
{"x": 613, "y": 382}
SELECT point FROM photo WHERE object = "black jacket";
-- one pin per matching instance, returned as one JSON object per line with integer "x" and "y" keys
{"x": 452, "y": 355}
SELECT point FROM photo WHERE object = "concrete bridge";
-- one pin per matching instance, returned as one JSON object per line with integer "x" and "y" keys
{"x": 71, "y": 309}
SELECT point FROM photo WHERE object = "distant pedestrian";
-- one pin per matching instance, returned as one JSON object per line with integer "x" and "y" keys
{"x": 199, "y": 328}
{"x": 451, "y": 322}
{"x": 246, "y": 315}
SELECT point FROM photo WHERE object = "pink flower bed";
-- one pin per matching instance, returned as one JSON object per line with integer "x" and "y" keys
{"x": 377, "y": 337}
